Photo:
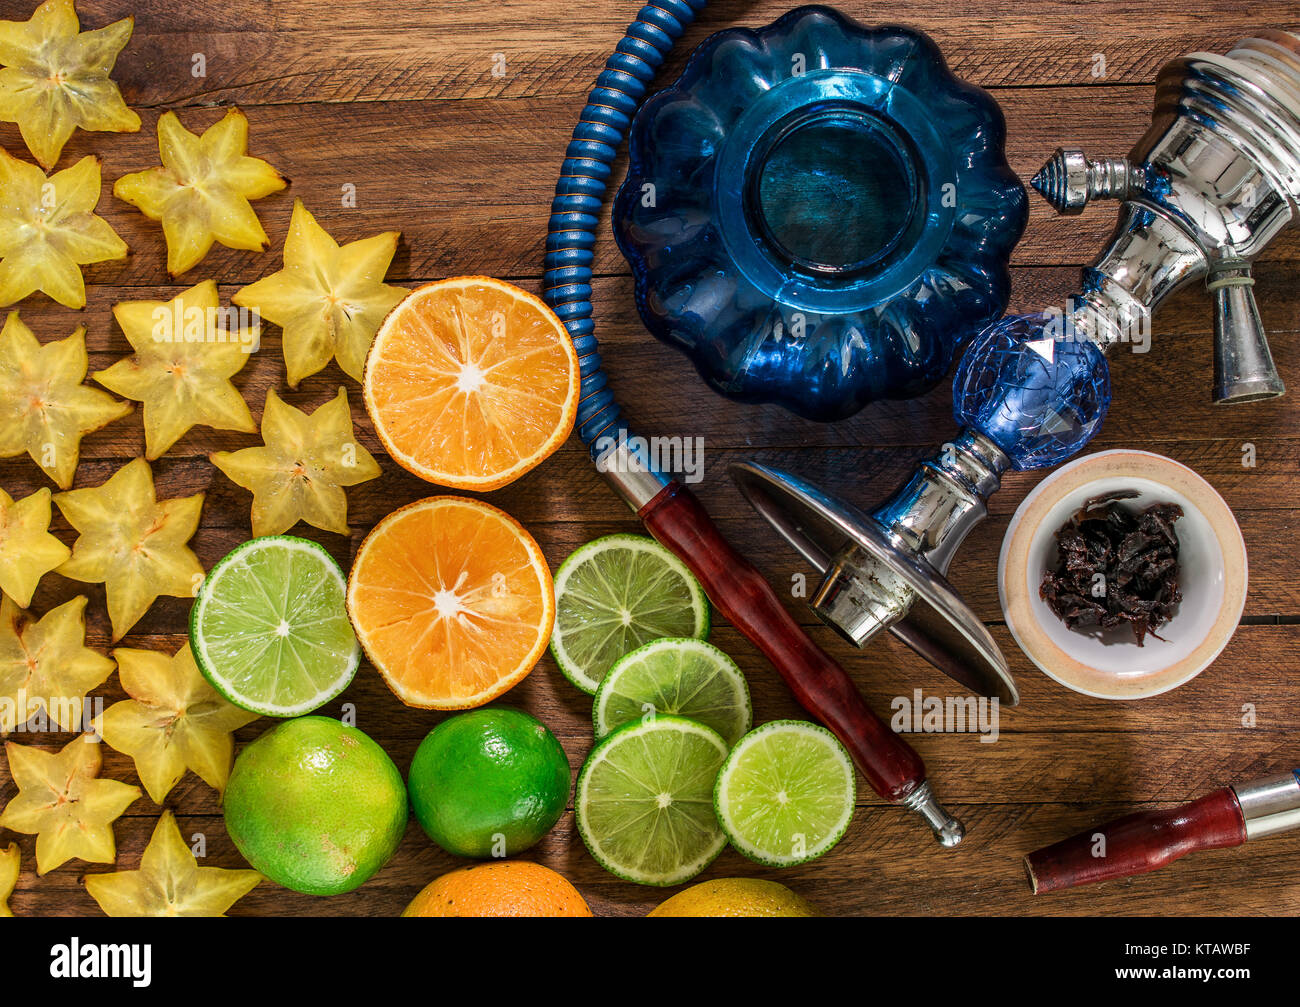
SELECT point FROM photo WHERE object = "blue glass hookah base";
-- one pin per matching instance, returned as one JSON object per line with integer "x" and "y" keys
{"x": 819, "y": 214}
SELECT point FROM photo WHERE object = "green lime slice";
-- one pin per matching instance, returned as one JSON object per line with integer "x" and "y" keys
{"x": 644, "y": 801}
{"x": 616, "y": 594}
{"x": 269, "y": 628}
{"x": 689, "y": 678}
{"x": 786, "y": 793}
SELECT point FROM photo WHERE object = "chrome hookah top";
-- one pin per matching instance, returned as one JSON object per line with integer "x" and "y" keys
{"x": 1212, "y": 182}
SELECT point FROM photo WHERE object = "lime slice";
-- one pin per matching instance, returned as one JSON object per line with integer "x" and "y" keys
{"x": 269, "y": 628}
{"x": 786, "y": 793}
{"x": 644, "y": 800}
{"x": 677, "y": 675}
{"x": 616, "y": 594}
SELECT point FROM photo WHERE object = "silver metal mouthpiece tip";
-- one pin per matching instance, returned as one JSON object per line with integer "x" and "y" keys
{"x": 1070, "y": 180}
{"x": 947, "y": 829}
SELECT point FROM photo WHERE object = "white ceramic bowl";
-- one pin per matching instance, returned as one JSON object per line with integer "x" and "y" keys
{"x": 1109, "y": 664}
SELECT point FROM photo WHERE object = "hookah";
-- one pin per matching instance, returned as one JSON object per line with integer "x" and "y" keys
{"x": 1203, "y": 194}
{"x": 1212, "y": 182}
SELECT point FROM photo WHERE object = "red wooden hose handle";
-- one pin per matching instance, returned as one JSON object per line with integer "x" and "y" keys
{"x": 678, "y": 520}
{"x": 1138, "y": 843}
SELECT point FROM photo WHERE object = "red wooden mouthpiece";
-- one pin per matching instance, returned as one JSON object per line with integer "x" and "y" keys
{"x": 1136, "y": 844}
{"x": 677, "y": 520}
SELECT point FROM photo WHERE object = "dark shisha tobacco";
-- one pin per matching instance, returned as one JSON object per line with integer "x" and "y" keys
{"x": 1136, "y": 552}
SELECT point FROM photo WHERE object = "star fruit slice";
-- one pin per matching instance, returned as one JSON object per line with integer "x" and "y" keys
{"x": 301, "y": 471}
{"x": 132, "y": 542}
{"x": 49, "y": 230}
{"x": 45, "y": 409}
{"x": 63, "y": 803}
{"x": 328, "y": 299}
{"x": 9, "y": 864}
{"x": 170, "y": 881}
{"x": 173, "y": 721}
{"x": 185, "y": 354}
{"x": 27, "y": 549}
{"x": 201, "y": 191}
{"x": 56, "y": 78}
{"x": 45, "y": 664}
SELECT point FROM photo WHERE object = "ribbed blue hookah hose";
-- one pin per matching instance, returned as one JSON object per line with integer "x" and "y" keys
{"x": 580, "y": 191}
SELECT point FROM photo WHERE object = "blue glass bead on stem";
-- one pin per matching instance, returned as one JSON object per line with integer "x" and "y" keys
{"x": 1035, "y": 386}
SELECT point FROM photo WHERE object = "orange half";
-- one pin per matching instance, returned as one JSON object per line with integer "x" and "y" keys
{"x": 471, "y": 382}
{"x": 452, "y": 601}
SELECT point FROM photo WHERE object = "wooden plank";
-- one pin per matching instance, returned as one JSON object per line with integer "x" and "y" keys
{"x": 569, "y": 489}
{"x": 470, "y": 182}
{"x": 1273, "y": 590}
{"x": 885, "y": 865}
{"x": 652, "y": 380}
{"x": 303, "y": 51}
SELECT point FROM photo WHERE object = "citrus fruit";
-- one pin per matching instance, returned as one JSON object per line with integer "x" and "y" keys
{"x": 452, "y": 600}
{"x": 736, "y": 897}
{"x": 644, "y": 800}
{"x": 471, "y": 382}
{"x": 509, "y": 888}
{"x": 687, "y": 677}
{"x": 786, "y": 793}
{"x": 489, "y": 783}
{"x": 315, "y": 805}
{"x": 269, "y": 628}
{"x": 616, "y": 594}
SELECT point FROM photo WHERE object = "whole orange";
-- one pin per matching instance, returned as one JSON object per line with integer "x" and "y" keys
{"x": 504, "y": 888}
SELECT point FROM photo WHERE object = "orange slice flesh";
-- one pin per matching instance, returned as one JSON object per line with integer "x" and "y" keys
{"x": 471, "y": 382}
{"x": 452, "y": 601}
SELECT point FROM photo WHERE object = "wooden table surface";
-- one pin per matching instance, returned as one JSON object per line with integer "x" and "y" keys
{"x": 399, "y": 99}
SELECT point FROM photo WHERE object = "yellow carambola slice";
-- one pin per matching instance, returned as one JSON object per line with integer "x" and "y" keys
{"x": 201, "y": 191}
{"x": 173, "y": 721}
{"x": 185, "y": 355}
{"x": 46, "y": 665}
{"x": 27, "y": 549}
{"x": 9, "y": 864}
{"x": 45, "y": 409}
{"x": 132, "y": 542}
{"x": 329, "y": 299}
{"x": 170, "y": 881}
{"x": 49, "y": 230}
{"x": 63, "y": 804}
{"x": 56, "y": 78}
{"x": 300, "y": 471}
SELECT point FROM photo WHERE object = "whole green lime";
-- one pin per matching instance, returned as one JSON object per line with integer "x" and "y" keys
{"x": 315, "y": 805}
{"x": 489, "y": 783}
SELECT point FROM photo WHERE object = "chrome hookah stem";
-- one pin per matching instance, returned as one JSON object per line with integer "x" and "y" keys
{"x": 929, "y": 517}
